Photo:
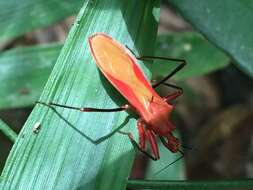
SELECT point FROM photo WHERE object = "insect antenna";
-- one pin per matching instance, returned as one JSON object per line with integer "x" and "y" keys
{"x": 182, "y": 156}
{"x": 187, "y": 147}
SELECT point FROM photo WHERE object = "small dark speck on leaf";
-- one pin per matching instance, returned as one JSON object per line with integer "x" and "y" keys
{"x": 24, "y": 91}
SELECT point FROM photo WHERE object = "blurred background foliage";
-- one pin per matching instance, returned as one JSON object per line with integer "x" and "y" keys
{"x": 215, "y": 114}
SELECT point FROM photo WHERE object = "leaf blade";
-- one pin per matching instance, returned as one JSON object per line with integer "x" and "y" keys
{"x": 7, "y": 131}
{"x": 15, "y": 14}
{"x": 44, "y": 160}
{"x": 223, "y": 26}
{"x": 23, "y": 73}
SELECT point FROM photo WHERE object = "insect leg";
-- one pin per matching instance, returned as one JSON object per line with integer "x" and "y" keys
{"x": 153, "y": 143}
{"x": 142, "y": 137}
{"x": 172, "y": 86}
{"x": 163, "y": 141}
{"x": 172, "y": 96}
{"x": 181, "y": 63}
{"x": 86, "y": 109}
{"x": 179, "y": 158}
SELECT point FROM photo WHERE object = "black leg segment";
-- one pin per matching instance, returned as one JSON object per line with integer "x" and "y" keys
{"x": 86, "y": 109}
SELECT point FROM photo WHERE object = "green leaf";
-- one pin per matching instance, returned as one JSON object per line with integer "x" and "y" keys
{"x": 227, "y": 23}
{"x": 61, "y": 155}
{"x": 7, "y": 131}
{"x": 201, "y": 56}
{"x": 23, "y": 73}
{"x": 191, "y": 185}
{"x": 19, "y": 17}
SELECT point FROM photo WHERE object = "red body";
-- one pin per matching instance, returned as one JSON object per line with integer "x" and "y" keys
{"x": 120, "y": 67}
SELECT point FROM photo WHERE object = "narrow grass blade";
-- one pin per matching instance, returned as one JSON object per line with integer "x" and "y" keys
{"x": 24, "y": 72}
{"x": 191, "y": 185}
{"x": 19, "y": 17}
{"x": 7, "y": 131}
{"x": 62, "y": 154}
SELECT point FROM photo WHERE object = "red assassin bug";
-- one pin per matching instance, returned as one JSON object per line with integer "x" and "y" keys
{"x": 118, "y": 64}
